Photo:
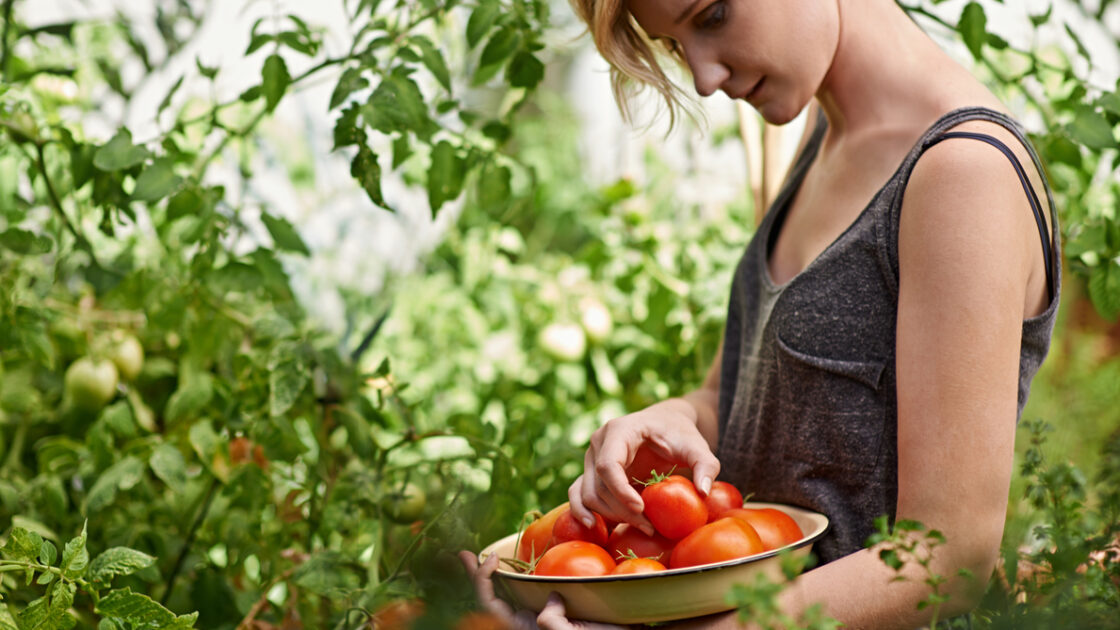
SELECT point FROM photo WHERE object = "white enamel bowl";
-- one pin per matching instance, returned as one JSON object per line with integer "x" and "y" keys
{"x": 652, "y": 597}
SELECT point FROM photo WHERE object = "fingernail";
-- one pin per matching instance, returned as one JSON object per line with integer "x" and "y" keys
{"x": 647, "y": 530}
{"x": 588, "y": 522}
{"x": 705, "y": 485}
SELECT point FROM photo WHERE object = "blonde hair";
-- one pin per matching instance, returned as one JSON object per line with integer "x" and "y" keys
{"x": 632, "y": 57}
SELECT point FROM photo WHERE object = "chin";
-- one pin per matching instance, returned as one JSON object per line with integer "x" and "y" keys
{"x": 777, "y": 113}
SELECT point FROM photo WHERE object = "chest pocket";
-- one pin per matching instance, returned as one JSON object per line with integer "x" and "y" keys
{"x": 835, "y": 410}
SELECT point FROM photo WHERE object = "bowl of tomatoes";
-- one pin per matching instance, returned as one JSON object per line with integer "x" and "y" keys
{"x": 685, "y": 569}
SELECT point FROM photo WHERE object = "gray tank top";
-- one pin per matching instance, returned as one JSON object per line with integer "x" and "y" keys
{"x": 808, "y": 406}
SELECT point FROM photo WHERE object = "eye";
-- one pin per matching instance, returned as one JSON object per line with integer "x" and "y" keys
{"x": 714, "y": 16}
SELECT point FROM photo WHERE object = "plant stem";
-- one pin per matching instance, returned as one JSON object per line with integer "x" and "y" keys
{"x": 17, "y": 445}
{"x": 4, "y": 43}
{"x": 198, "y": 519}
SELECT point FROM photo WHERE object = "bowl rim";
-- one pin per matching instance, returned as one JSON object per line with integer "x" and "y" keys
{"x": 700, "y": 568}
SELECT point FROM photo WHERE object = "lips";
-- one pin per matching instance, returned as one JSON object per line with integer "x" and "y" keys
{"x": 754, "y": 90}
{"x": 743, "y": 96}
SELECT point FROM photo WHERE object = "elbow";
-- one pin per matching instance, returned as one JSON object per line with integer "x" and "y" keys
{"x": 968, "y": 576}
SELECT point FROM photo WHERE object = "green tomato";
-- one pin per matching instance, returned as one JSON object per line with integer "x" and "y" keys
{"x": 596, "y": 320}
{"x": 90, "y": 383}
{"x": 405, "y": 504}
{"x": 127, "y": 354}
{"x": 563, "y": 342}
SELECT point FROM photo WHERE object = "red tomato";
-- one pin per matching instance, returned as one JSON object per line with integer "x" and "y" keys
{"x": 535, "y": 538}
{"x": 721, "y": 540}
{"x": 648, "y": 462}
{"x": 626, "y": 539}
{"x": 774, "y": 527}
{"x": 674, "y": 507}
{"x": 722, "y": 497}
{"x": 568, "y": 528}
{"x": 575, "y": 557}
{"x": 398, "y": 614}
{"x": 631, "y": 566}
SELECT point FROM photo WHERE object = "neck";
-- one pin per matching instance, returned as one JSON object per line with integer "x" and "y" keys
{"x": 872, "y": 81}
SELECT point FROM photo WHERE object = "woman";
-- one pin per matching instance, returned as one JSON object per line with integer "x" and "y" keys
{"x": 887, "y": 317}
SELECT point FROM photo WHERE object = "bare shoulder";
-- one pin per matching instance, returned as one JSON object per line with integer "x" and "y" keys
{"x": 966, "y": 218}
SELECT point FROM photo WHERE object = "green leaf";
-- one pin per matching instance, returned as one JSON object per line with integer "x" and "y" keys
{"x": 168, "y": 464}
{"x": 203, "y": 439}
{"x": 195, "y": 391}
{"x": 22, "y": 545}
{"x": 973, "y": 28}
{"x": 357, "y": 433}
{"x": 118, "y": 561}
{"x": 397, "y": 105}
{"x": 275, "y": 80}
{"x": 1110, "y": 102}
{"x": 186, "y": 202}
{"x": 367, "y": 171}
{"x": 287, "y": 378}
{"x": 119, "y": 153}
{"x": 207, "y": 71}
{"x": 156, "y": 182}
{"x": 7, "y": 621}
{"x": 166, "y": 102}
{"x": 482, "y": 18}
{"x": 501, "y": 45}
{"x": 140, "y": 611}
{"x": 525, "y": 70}
{"x": 1091, "y": 129}
{"x": 51, "y": 611}
{"x": 1081, "y": 49}
{"x": 120, "y": 476}
{"x": 75, "y": 557}
{"x": 284, "y": 236}
{"x": 346, "y": 130}
{"x": 351, "y": 81}
{"x": 48, "y": 553}
{"x": 1104, "y": 289}
{"x": 494, "y": 186}
{"x": 445, "y": 176}
{"x": 1039, "y": 20}
{"x": 432, "y": 59}
{"x": 25, "y": 243}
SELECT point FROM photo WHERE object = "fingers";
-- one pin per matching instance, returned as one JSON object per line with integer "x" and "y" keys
{"x": 553, "y": 615}
{"x": 480, "y": 575}
{"x": 590, "y": 492}
{"x": 705, "y": 469}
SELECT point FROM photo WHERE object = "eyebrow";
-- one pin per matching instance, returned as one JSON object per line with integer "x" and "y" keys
{"x": 687, "y": 10}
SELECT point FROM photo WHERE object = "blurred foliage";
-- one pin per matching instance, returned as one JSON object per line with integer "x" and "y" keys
{"x": 261, "y": 472}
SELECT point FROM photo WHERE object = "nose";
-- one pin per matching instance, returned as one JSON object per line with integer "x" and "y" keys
{"x": 708, "y": 74}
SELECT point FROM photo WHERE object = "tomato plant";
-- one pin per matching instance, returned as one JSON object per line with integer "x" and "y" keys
{"x": 724, "y": 539}
{"x": 673, "y": 506}
{"x": 90, "y": 383}
{"x": 405, "y": 503}
{"x": 575, "y": 558}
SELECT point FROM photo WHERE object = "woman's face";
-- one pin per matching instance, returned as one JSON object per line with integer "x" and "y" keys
{"x": 772, "y": 53}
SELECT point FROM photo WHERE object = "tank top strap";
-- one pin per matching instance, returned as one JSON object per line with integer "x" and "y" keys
{"x": 941, "y": 130}
{"x": 1032, "y": 197}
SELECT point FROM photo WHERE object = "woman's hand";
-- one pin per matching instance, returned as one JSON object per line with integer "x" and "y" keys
{"x": 670, "y": 429}
{"x": 552, "y": 617}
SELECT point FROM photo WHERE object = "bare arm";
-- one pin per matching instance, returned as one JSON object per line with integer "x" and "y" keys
{"x": 705, "y": 401}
